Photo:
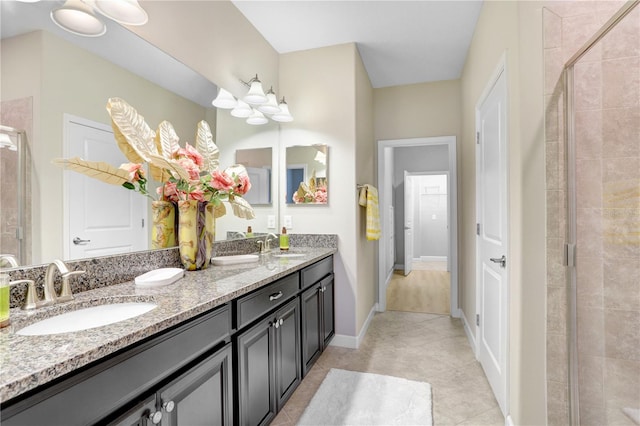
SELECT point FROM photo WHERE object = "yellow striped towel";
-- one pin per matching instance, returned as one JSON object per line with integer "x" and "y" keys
{"x": 369, "y": 199}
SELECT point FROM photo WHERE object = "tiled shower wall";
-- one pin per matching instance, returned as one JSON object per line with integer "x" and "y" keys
{"x": 19, "y": 115}
{"x": 607, "y": 132}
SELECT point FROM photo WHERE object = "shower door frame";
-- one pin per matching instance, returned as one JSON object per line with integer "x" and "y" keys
{"x": 570, "y": 246}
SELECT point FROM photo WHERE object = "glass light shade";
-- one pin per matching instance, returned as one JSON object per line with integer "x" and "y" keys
{"x": 127, "y": 12}
{"x": 271, "y": 106}
{"x": 256, "y": 95}
{"x": 224, "y": 100}
{"x": 284, "y": 116}
{"x": 242, "y": 110}
{"x": 257, "y": 118}
{"x": 77, "y": 17}
{"x": 6, "y": 142}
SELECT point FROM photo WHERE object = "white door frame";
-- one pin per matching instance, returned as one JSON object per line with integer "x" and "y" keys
{"x": 500, "y": 70}
{"x": 383, "y": 277}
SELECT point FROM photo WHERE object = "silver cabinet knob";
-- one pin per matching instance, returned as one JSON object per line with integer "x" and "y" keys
{"x": 281, "y": 321}
{"x": 169, "y": 406}
{"x": 156, "y": 417}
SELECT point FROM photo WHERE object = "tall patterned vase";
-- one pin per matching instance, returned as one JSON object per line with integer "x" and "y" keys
{"x": 163, "y": 227}
{"x": 196, "y": 230}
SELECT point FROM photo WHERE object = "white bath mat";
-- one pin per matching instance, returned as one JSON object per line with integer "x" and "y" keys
{"x": 352, "y": 398}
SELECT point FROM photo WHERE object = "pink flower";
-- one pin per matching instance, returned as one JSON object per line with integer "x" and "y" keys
{"x": 221, "y": 181}
{"x": 244, "y": 184}
{"x": 191, "y": 153}
{"x": 170, "y": 192}
{"x": 321, "y": 196}
{"x": 197, "y": 194}
{"x": 135, "y": 171}
{"x": 190, "y": 166}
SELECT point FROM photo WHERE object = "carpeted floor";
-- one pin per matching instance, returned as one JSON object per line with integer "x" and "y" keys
{"x": 423, "y": 290}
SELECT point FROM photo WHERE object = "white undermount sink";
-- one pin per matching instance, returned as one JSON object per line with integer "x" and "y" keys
{"x": 84, "y": 319}
{"x": 234, "y": 260}
{"x": 289, "y": 255}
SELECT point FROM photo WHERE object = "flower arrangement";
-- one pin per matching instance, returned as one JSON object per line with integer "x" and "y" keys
{"x": 314, "y": 192}
{"x": 185, "y": 173}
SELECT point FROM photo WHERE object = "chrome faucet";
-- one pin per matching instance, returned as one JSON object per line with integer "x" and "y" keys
{"x": 267, "y": 241}
{"x": 9, "y": 259}
{"x": 50, "y": 297}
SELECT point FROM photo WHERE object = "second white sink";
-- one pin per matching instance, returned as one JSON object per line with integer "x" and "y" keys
{"x": 84, "y": 319}
{"x": 233, "y": 260}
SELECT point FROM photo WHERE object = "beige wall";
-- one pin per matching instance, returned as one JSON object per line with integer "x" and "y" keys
{"x": 322, "y": 85}
{"x": 61, "y": 88}
{"x": 514, "y": 29}
{"x": 365, "y": 173}
{"x": 418, "y": 110}
{"x": 214, "y": 39}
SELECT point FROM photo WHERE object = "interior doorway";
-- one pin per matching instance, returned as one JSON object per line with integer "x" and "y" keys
{"x": 435, "y": 156}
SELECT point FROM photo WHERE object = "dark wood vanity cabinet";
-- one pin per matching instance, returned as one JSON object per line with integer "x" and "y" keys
{"x": 269, "y": 364}
{"x": 237, "y": 364}
{"x": 203, "y": 395}
{"x": 317, "y": 306}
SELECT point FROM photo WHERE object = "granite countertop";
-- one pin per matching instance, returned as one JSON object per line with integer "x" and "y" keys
{"x": 30, "y": 361}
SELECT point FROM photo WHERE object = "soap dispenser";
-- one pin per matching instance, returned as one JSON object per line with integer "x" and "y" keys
{"x": 284, "y": 239}
{"x": 249, "y": 233}
{"x": 5, "y": 295}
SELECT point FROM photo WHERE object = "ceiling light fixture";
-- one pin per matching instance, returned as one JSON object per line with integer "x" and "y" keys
{"x": 284, "y": 116}
{"x": 78, "y": 17}
{"x": 254, "y": 105}
{"x": 256, "y": 118}
{"x": 256, "y": 95}
{"x": 271, "y": 106}
{"x": 6, "y": 142}
{"x": 224, "y": 100}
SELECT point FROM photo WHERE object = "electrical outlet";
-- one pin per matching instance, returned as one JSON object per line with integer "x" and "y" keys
{"x": 271, "y": 221}
{"x": 287, "y": 222}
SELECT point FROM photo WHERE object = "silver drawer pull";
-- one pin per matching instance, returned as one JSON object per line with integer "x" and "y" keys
{"x": 275, "y": 296}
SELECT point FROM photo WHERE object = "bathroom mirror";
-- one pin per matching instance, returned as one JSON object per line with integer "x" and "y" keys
{"x": 40, "y": 52}
{"x": 258, "y": 162}
{"x": 306, "y": 174}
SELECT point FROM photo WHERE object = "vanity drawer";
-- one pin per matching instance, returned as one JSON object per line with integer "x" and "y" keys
{"x": 258, "y": 303}
{"x": 314, "y": 273}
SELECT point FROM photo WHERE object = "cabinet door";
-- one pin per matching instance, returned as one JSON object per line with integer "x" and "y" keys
{"x": 138, "y": 416}
{"x": 256, "y": 375}
{"x": 202, "y": 396}
{"x": 328, "y": 322}
{"x": 311, "y": 337}
{"x": 287, "y": 330}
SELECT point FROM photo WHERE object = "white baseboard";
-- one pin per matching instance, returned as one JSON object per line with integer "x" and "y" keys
{"x": 467, "y": 330}
{"x": 353, "y": 342}
{"x": 432, "y": 259}
{"x": 456, "y": 313}
{"x": 508, "y": 421}
{"x": 398, "y": 266}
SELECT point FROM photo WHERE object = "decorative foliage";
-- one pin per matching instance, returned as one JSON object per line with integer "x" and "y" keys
{"x": 185, "y": 173}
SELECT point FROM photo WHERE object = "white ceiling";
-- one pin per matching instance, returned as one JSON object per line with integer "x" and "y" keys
{"x": 400, "y": 42}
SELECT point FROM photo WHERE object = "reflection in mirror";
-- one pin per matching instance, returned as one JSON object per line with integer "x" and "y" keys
{"x": 42, "y": 83}
{"x": 307, "y": 168}
{"x": 258, "y": 162}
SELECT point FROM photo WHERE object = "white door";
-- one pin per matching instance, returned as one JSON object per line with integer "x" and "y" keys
{"x": 260, "y": 192}
{"x": 492, "y": 262}
{"x": 102, "y": 219}
{"x": 408, "y": 223}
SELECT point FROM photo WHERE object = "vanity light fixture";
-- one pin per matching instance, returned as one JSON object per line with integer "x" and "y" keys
{"x": 224, "y": 100}
{"x": 256, "y": 118}
{"x": 271, "y": 106}
{"x": 78, "y": 16}
{"x": 284, "y": 116}
{"x": 256, "y": 95}
{"x": 242, "y": 110}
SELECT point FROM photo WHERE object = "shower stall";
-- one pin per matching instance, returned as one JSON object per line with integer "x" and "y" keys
{"x": 602, "y": 116}
{"x": 14, "y": 197}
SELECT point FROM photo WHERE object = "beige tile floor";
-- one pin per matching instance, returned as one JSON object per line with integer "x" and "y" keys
{"x": 425, "y": 347}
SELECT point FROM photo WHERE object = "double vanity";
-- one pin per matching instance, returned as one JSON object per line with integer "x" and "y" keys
{"x": 226, "y": 345}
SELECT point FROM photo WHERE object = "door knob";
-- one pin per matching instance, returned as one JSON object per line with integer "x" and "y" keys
{"x": 502, "y": 261}
{"x": 78, "y": 241}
